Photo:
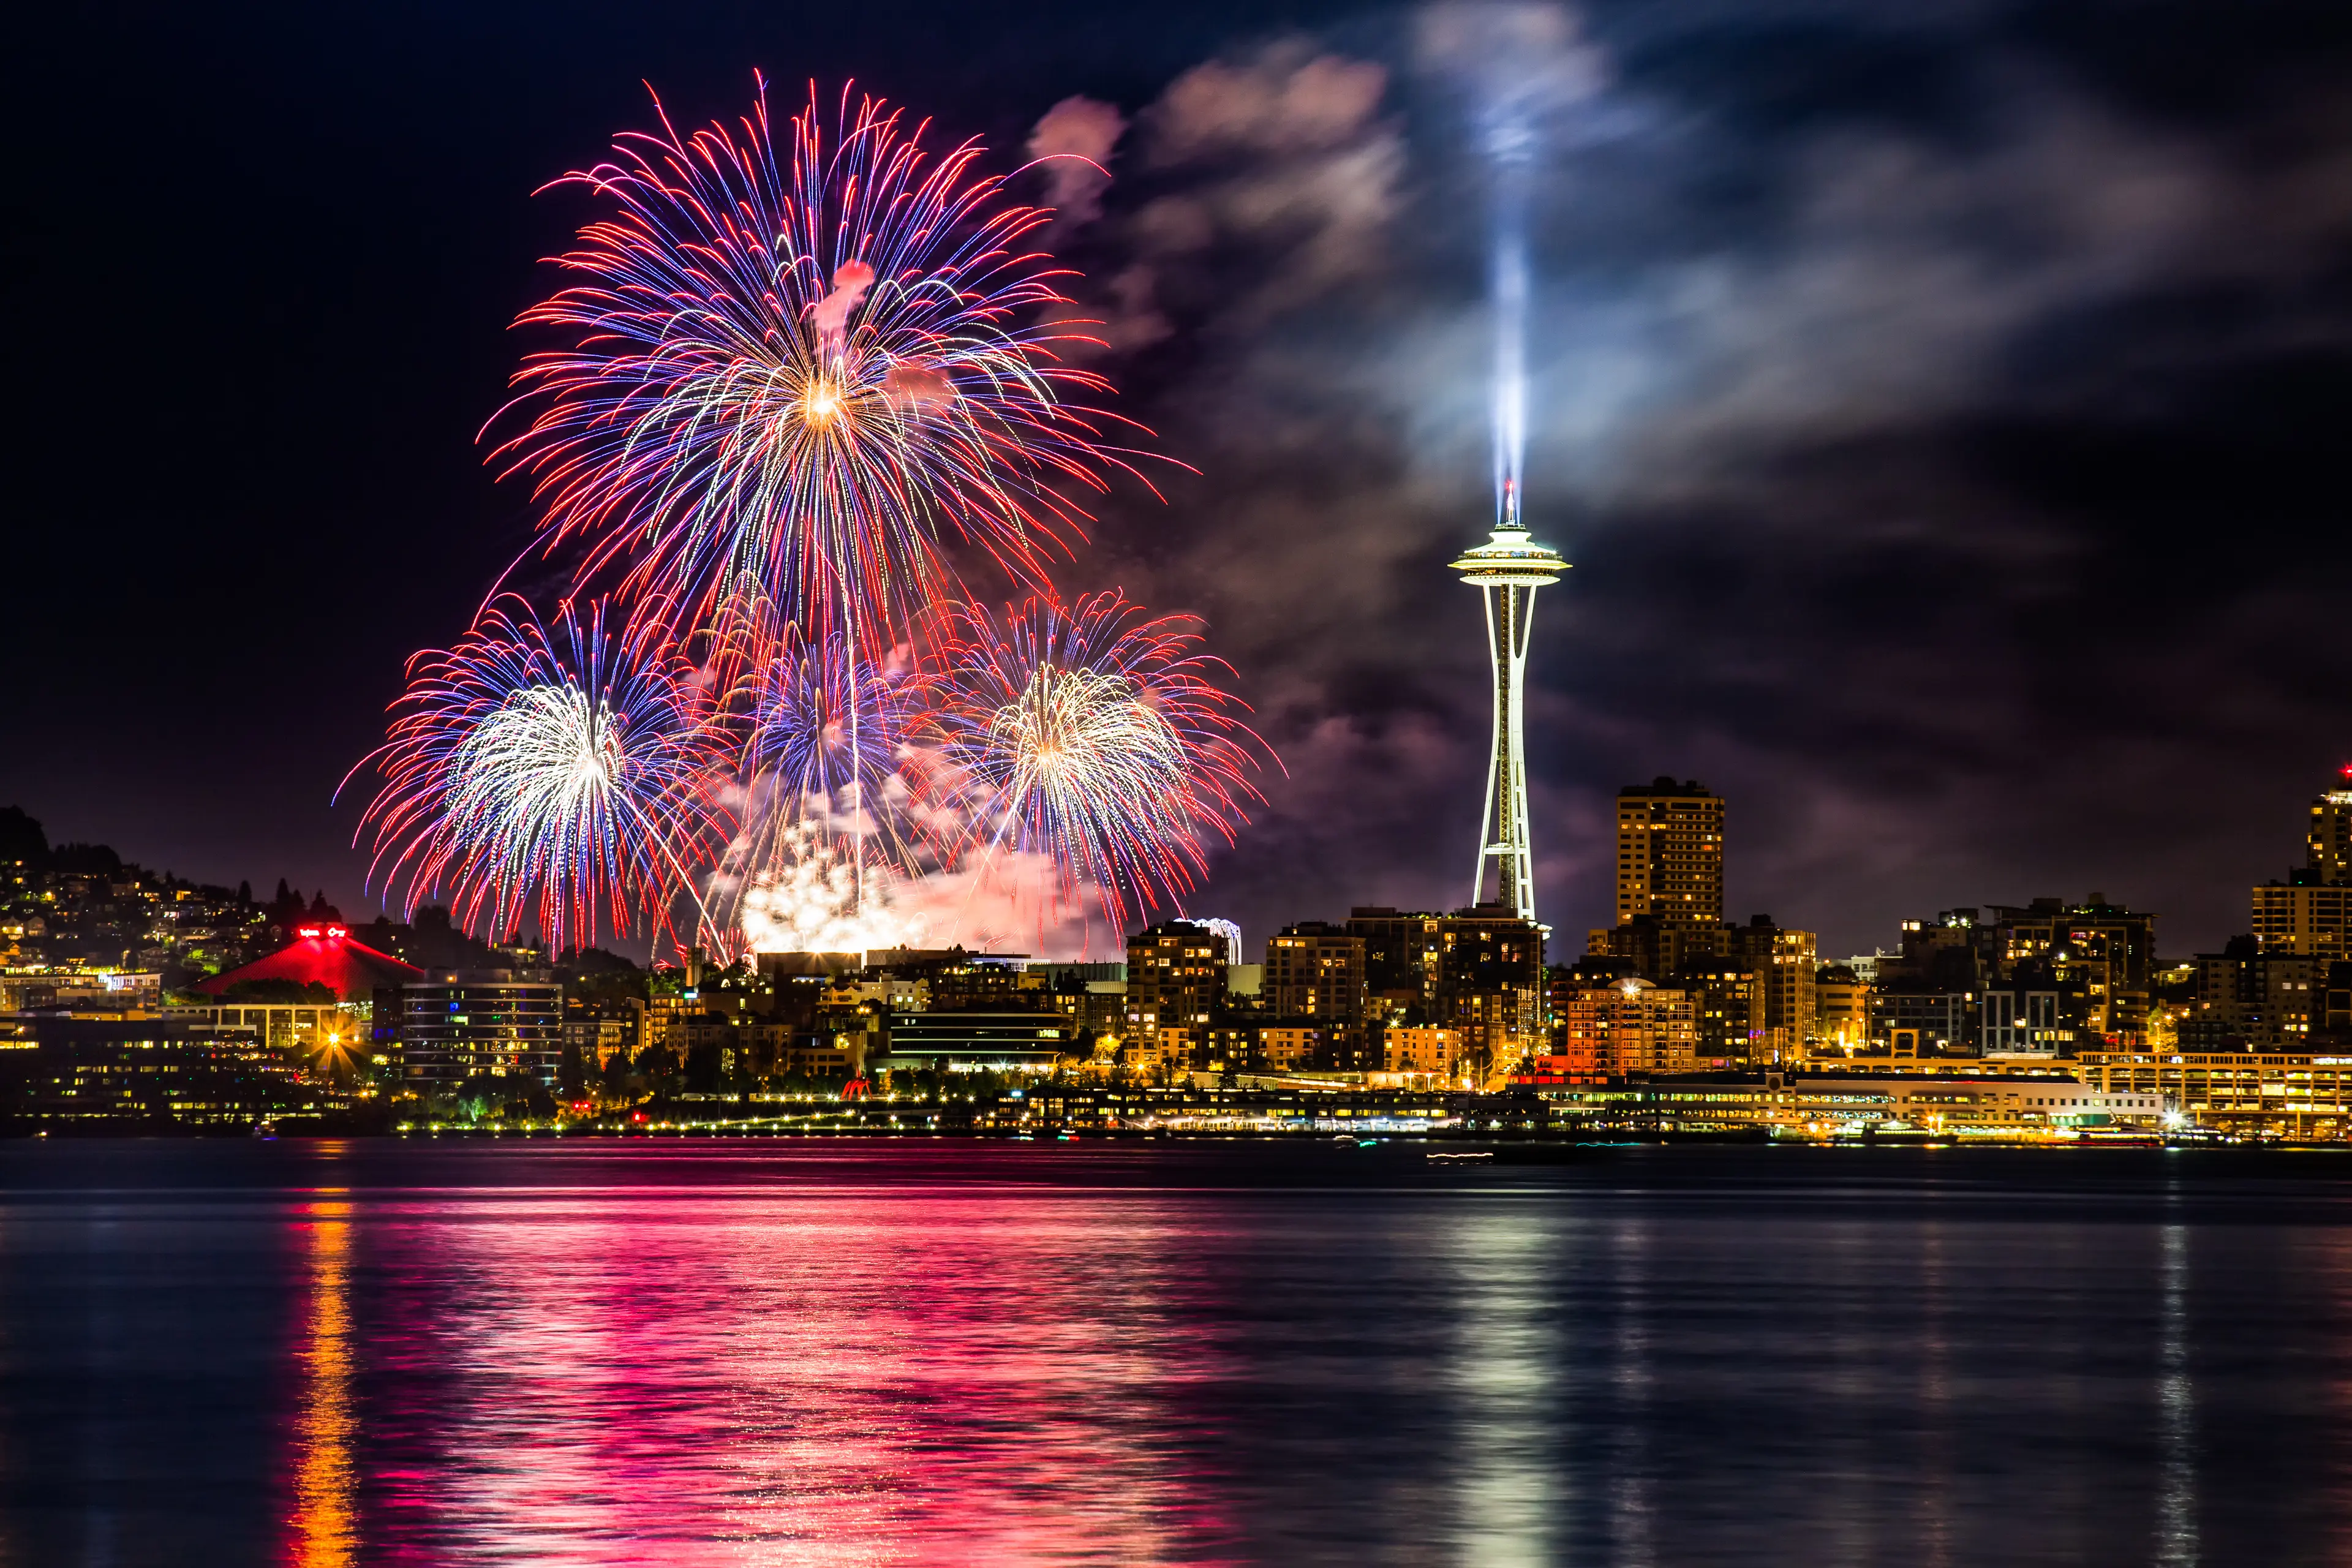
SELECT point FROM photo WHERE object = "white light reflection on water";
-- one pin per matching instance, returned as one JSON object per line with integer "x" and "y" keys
{"x": 1629, "y": 1500}
{"x": 1507, "y": 1490}
{"x": 1935, "y": 1404}
{"x": 2176, "y": 1522}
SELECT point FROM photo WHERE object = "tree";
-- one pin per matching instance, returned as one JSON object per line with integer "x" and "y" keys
{"x": 21, "y": 842}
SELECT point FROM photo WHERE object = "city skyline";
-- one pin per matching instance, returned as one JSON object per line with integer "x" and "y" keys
{"x": 1867, "y": 612}
{"x": 737, "y": 745}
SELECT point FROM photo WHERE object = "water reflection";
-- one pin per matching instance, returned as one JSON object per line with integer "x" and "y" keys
{"x": 1935, "y": 1520}
{"x": 325, "y": 1526}
{"x": 1630, "y": 1501}
{"x": 1505, "y": 1482}
{"x": 791, "y": 1380}
{"x": 886, "y": 1355}
{"x": 2176, "y": 1524}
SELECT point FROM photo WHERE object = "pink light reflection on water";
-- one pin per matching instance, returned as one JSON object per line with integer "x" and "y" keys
{"x": 820, "y": 1377}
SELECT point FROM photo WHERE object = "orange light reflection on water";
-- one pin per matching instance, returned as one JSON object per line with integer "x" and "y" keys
{"x": 325, "y": 1477}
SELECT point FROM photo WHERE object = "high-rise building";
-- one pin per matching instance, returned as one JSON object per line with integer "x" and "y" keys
{"x": 1785, "y": 962}
{"x": 1489, "y": 985}
{"x": 2250, "y": 999}
{"x": 1478, "y": 972}
{"x": 2329, "y": 840}
{"x": 2101, "y": 955}
{"x": 1316, "y": 969}
{"x": 1775, "y": 963}
{"x": 2304, "y": 917}
{"x": 1727, "y": 1011}
{"x": 1669, "y": 852}
{"x": 1175, "y": 982}
{"x": 1400, "y": 951}
{"x": 2311, "y": 911}
{"x": 1630, "y": 1026}
{"x": 498, "y": 1022}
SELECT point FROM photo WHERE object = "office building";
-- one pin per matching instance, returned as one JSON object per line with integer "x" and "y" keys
{"x": 2096, "y": 958}
{"x": 1785, "y": 963}
{"x": 1175, "y": 983}
{"x": 1669, "y": 852}
{"x": 461, "y": 1024}
{"x": 1776, "y": 963}
{"x": 2303, "y": 916}
{"x": 1727, "y": 1012}
{"x": 1840, "y": 1009}
{"x": 1400, "y": 953}
{"x": 1489, "y": 985}
{"x": 2250, "y": 998}
{"x": 2019, "y": 1021}
{"x": 2100, "y": 957}
{"x": 125, "y": 1075}
{"x": 1418, "y": 1051}
{"x": 1924, "y": 1023}
{"x": 1316, "y": 969}
{"x": 2327, "y": 843}
{"x": 2311, "y": 911}
{"x": 1607, "y": 1030}
{"x": 2277, "y": 1094}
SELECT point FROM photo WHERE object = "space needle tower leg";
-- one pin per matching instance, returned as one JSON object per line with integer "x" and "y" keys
{"x": 1507, "y": 571}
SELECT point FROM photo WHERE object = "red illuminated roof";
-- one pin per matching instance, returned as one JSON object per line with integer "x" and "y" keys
{"x": 326, "y": 954}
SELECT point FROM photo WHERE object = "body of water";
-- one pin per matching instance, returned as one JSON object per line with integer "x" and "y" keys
{"x": 919, "y": 1352}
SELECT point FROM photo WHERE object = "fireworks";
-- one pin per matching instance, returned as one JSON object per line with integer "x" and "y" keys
{"x": 561, "y": 774}
{"x": 822, "y": 735}
{"x": 827, "y": 729}
{"x": 1090, "y": 736}
{"x": 813, "y": 894}
{"x": 796, "y": 370}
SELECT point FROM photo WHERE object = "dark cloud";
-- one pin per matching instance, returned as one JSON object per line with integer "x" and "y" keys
{"x": 1938, "y": 426}
{"x": 1940, "y": 400}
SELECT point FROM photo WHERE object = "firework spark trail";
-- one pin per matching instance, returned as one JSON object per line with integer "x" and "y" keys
{"x": 802, "y": 371}
{"x": 822, "y": 735}
{"x": 1093, "y": 737}
{"x": 559, "y": 773}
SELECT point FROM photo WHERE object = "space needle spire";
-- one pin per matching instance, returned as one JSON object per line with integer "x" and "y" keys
{"x": 1507, "y": 571}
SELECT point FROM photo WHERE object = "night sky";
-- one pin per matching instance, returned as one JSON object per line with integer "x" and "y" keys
{"x": 1944, "y": 406}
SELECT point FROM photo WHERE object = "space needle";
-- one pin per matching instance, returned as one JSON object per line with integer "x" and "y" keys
{"x": 1507, "y": 571}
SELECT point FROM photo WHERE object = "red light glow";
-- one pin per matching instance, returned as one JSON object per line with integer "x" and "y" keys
{"x": 953, "y": 1391}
